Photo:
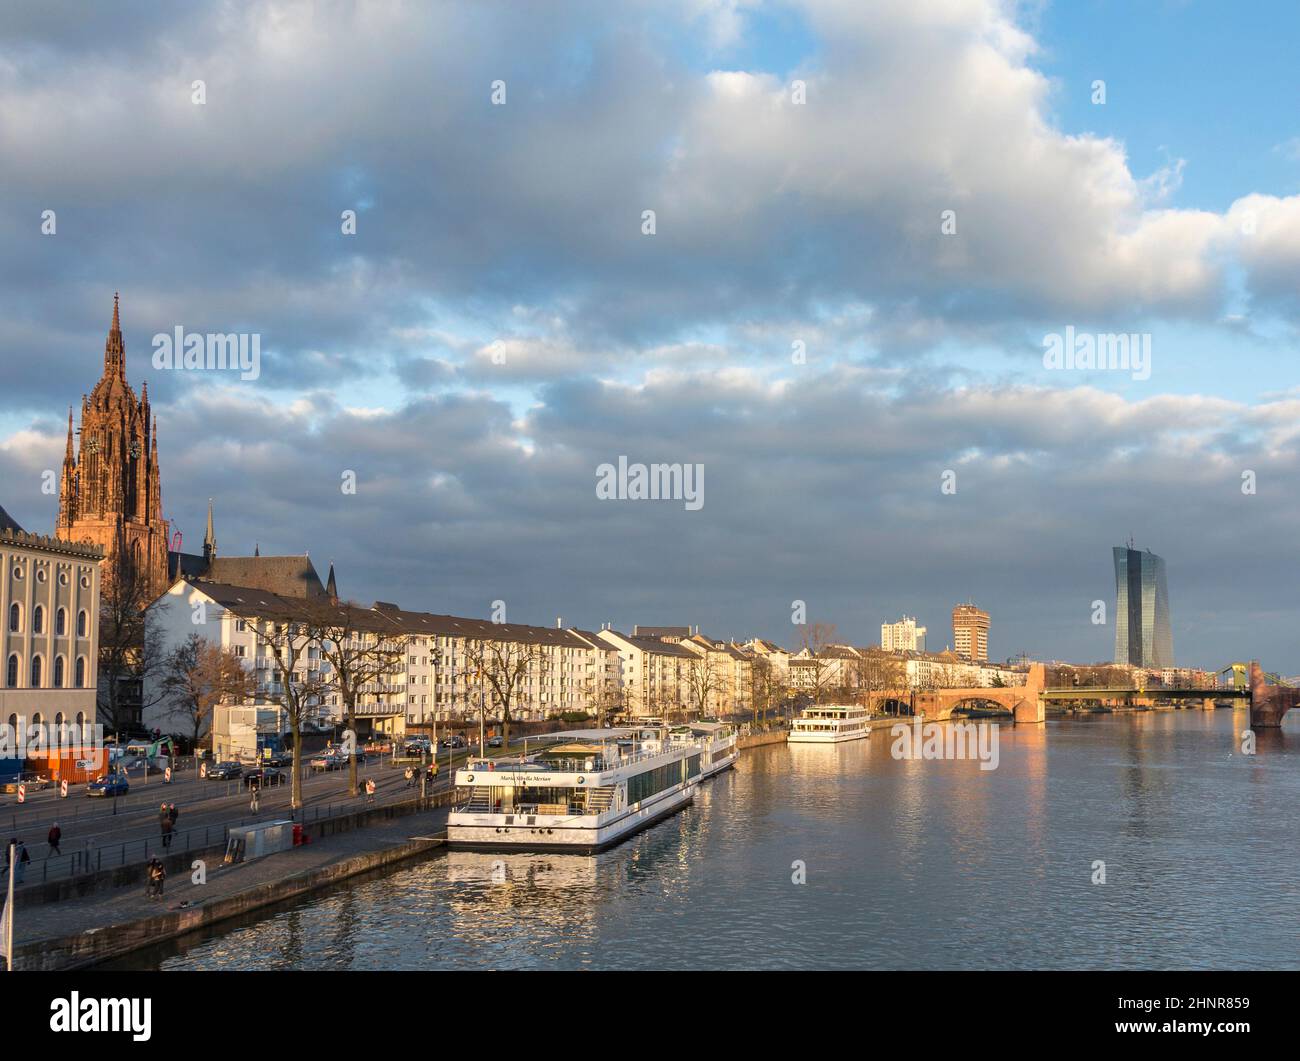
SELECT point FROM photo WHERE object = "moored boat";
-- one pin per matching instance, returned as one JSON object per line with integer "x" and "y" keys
{"x": 830, "y": 724}
{"x": 586, "y": 793}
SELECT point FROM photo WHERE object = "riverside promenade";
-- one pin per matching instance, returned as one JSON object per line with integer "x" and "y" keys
{"x": 77, "y": 932}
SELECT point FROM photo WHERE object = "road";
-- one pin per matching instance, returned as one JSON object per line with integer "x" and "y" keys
{"x": 127, "y": 829}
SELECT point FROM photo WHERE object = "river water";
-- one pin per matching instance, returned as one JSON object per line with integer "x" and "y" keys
{"x": 921, "y": 864}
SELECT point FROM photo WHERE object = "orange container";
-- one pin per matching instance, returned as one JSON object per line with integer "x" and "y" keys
{"x": 74, "y": 765}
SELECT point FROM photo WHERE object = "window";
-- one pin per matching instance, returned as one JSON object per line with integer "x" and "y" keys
{"x": 15, "y": 618}
{"x": 38, "y": 620}
{"x": 82, "y": 619}
{"x": 81, "y": 672}
{"x": 239, "y": 651}
{"x": 11, "y": 672}
{"x": 36, "y": 672}
{"x": 58, "y": 675}
{"x": 61, "y": 622}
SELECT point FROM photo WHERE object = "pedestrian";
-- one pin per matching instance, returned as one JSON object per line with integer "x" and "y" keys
{"x": 370, "y": 790}
{"x": 56, "y": 834}
{"x": 173, "y": 814}
{"x": 163, "y": 814}
{"x": 167, "y": 832}
{"x": 252, "y": 803}
{"x": 157, "y": 874}
{"x": 23, "y": 858}
{"x": 410, "y": 776}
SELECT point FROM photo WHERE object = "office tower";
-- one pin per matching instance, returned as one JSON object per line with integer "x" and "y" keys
{"x": 1143, "y": 635}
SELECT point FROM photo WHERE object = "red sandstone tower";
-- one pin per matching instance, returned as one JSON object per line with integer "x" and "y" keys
{"x": 111, "y": 494}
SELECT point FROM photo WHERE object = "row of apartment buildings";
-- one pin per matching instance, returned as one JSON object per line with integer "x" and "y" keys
{"x": 450, "y": 668}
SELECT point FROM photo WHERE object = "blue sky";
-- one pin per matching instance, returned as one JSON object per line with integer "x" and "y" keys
{"x": 1171, "y": 210}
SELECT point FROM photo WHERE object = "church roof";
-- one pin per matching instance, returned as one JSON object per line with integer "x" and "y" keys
{"x": 7, "y": 522}
{"x": 185, "y": 565}
{"x": 286, "y": 576}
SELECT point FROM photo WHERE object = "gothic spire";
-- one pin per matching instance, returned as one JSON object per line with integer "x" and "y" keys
{"x": 67, "y": 456}
{"x": 331, "y": 587}
{"x": 114, "y": 349}
{"x": 210, "y": 538}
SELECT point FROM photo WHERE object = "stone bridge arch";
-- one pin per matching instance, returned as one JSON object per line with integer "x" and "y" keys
{"x": 1024, "y": 702}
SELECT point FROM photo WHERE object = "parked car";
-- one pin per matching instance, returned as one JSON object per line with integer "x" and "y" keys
{"x": 332, "y": 761}
{"x": 264, "y": 777}
{"x": 109, "y": 785}
{"x": 226, "y": 771}
{"x": 495, "y": 742}
{"x": 279, "y": 759}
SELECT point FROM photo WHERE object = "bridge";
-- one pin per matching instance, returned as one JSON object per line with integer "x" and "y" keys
{"x": 1268, "y": 701}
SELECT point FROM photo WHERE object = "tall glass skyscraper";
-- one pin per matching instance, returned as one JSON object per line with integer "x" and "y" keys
{"x": 1143, "y": 636}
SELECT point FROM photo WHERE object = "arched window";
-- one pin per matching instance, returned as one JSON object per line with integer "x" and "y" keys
{"x": 61, "y": 622}
{"x": 81, "y": 725}
{"x": 15, "y": 618}
{"x": 38, "y": 620}
{"x": 58, "y": 677}
{"x": 13, "y": 724}
{"x": 36, "y": 719}
{"x": 81, "y": 623}
{"x": 11, "y": 672}
{"x": 81, "y": 672}
{"x": 36, "y": 672}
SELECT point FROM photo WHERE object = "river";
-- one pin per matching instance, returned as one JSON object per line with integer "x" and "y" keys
{"x": 920, "y": 864}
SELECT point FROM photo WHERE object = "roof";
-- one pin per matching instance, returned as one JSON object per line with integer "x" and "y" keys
{"x": 256, "y": 602}
{"x": 186, "y": 565}
{"x": 661, "y": 631}
{"x": 429, "y": 624}
{"x": 288, "y": 576}
{"x": 8, "y": 523}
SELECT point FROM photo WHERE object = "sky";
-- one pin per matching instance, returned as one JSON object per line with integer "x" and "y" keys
{"x": 870, "y": 219}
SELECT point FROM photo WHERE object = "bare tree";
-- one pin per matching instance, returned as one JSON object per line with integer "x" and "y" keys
{"x": 131, "y": 648}
{"x": 820, "y": 666}
{"x": 362, "y": 652}
{"x": 768, "y": 692}
{"x": 504, "y": 667}
{"x": 703, "y": 680}
{"x": 876, "y": 672}
{"x": 196, "y": 677}
{"x": 288, "y": 639}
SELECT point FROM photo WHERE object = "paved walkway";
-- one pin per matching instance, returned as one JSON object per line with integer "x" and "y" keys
{"x": 105, "y": 908}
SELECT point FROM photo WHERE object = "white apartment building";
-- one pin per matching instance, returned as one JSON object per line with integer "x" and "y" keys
{"x": 653, "y": 674}
{"x": 902, "y": 636}
{"x": 439, "y": 678}
{"x": 49, "y": 601}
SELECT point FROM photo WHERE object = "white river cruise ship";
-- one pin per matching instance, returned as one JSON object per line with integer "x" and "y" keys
{"x": 830, "y": 724}
{"x": 590, "y": 791}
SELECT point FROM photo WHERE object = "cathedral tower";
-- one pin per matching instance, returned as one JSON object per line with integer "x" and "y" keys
{"x": 110, "y": 493}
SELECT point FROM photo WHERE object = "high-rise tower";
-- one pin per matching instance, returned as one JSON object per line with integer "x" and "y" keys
{"x": 1143, "y": 634}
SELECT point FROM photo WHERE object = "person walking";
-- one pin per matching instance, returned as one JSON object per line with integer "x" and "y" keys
{"x": 162, "y": 814}
{"x": 173, "y": 814}
{"x": 20, "y": 868}
{"x": 56, "y": 834}
{"x": 253, "y": 803}
{"x": 370, "y": 790}
{"x": 167, "y": 832}
{"x": 157, "y": 874}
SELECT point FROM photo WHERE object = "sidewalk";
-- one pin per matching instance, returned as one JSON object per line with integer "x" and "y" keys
{"x": 79, "y": 931}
